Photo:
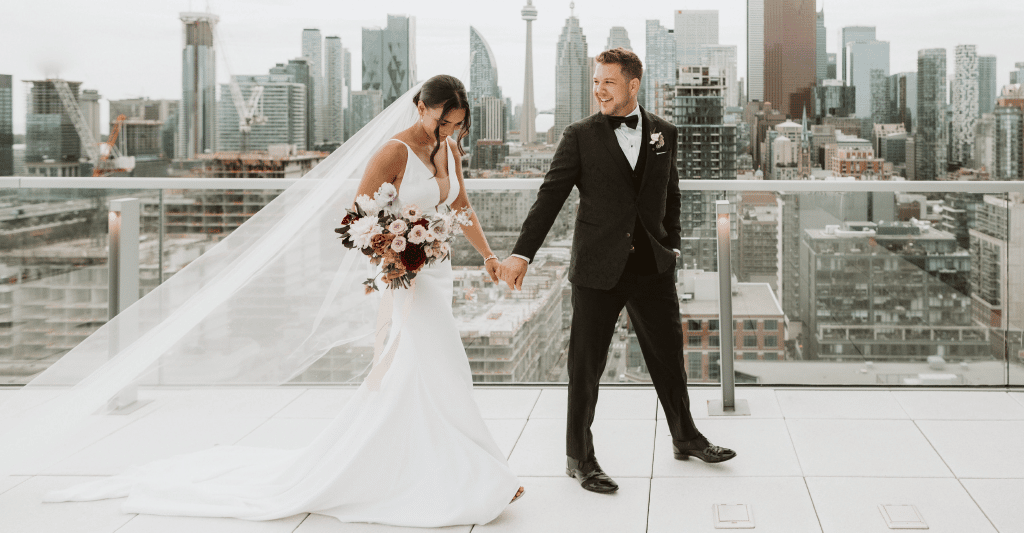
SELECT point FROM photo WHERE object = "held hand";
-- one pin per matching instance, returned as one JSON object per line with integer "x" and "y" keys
{"x": 513, "y": 270}
{"x": 493, "y": 268}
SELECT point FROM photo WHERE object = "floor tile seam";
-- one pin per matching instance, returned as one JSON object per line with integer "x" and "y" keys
{"x": 596, "y": 418}
{"x": 814, "y": 506}
{"x": 12, "y": 487}
{"x": 978, "y": 505}
{"x": 936, "y": 450}
{"x": 727, "y": 476}
{"x": 536, "y": 400}
{"x": 650, "y": 482}
{"x": 251, "y": 431}
{"x": 297, "y": 526}
{"x": 897, "y": 400}
{"x": 289, "y": 402}
{"x": 82, "y": 447}
{"x": 519, "y": 436}
{"x": 129, "y": 521}
{"x": 789, "y": 433}
{"x": 1015, "y": 398}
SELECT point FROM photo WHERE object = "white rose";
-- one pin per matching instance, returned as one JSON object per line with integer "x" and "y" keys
{"x": 385, "y": 194}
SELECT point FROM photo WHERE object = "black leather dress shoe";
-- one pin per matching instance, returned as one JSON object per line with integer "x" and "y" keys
{"x": 703, "y": 450}
{"x": 590, "y": 475}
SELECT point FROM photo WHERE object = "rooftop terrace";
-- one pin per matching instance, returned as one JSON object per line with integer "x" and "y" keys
{"x": 809, "y": 460}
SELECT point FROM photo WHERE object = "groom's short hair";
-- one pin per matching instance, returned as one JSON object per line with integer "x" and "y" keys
{"x": 625, "y": 59}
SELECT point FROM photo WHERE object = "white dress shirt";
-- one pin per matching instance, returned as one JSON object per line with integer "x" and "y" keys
{"x": 629, "y": 138}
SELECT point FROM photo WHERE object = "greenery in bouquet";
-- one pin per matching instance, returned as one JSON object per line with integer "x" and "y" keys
{"x": 400, "y": 239}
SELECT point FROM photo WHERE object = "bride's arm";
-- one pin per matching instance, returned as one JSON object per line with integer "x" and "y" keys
{"x": 387, "y": 165}
{"x": 474, "y": 233}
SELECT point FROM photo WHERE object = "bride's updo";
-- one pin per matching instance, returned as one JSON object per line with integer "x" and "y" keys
{"x": 449, "y": 92}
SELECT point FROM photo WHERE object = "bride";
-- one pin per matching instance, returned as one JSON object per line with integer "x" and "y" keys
{"x": 412, "y": 451}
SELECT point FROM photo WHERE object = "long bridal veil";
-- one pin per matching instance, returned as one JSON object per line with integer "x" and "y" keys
{"x": 258, "y": 308}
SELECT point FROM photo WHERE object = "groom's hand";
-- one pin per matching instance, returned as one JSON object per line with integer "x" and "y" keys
{"x": 512, "y": 271}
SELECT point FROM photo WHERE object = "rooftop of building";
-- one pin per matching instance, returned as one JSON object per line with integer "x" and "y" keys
{"x": 698, "y": 296}
{"x": 808, "y": 460}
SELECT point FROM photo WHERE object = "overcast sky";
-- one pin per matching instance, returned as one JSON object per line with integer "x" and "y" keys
{"x": 132, "y": 48}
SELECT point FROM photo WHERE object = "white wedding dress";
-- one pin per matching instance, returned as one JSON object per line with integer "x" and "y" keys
{"x": 414, "y": 452}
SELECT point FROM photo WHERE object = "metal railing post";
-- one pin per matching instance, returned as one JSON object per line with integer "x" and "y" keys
{"x": 729, "y": 405}
{"x": 123, "y": 288}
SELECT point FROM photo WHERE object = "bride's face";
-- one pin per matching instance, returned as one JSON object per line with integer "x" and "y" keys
{"x": 446, "y": 125}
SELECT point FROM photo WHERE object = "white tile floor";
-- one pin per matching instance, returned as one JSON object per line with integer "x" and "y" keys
{"x": 808, "y": 460}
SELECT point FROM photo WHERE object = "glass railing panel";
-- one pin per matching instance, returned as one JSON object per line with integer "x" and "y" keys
{"x": 53, "y": 272}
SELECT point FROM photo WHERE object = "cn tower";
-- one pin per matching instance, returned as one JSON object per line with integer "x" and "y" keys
{"x": 528, "y": 128}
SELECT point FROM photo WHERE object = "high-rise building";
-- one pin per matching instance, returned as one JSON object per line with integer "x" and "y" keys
{"x": 389, "y": 57}
{"x": 707, "y": 150}
{"x": 659, "y": 65}
{"x": 53, "y": 146}
{"x": 197, "y": 116}
{"x": 997, "y": 246}
{"x": 852, "y": 34}
{"x": 901, "y": 95}
{"x": 284, "y": 106}
{"x": 722, "y": 59}
{"x": 334, "y": 85}
{"x": 1017, "y": 74}
{"x": 489, "y": 148}
{"x": 833, "y": 98}
{"x": 964, "y": 102}
{"x": 6, "y": 125}
{"x": 988, "y": 85}
{"x": 572, "y": 75}
{"x": 483, "y": 68}
{"x": 346, "y": 72}
{"x": 930, "y": 134}
{"x": 830, "y": 73}
{"x": 822, "y": 54}
{"x": 1008, "y": 163}
{"x": 528, "y": 116}
{"x": 89, "y": 103}
{"x": 483, "y": 83}
{"x": 299, "y": 70}
{"x": 365, "y": 106}
{"x": 790, "y": 55}
{"x": 862, "y": 58}
{"x": 694, "y": 29}
{"x": 755, "y": 50}
{"x": 618, "y": 38}
{"x": 312, "y": 50}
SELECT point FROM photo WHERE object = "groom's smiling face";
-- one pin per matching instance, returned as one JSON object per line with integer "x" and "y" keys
{"x": 615, "y": 95}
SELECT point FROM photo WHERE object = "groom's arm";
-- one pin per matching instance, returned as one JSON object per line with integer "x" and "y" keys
{"x": 673, "y": 201}
{"x": 558, "y": 183}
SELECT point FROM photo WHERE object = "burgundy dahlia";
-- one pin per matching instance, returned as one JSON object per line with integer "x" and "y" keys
{"x": 413, "y": 258}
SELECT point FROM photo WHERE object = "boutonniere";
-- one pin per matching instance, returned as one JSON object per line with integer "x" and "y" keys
{"x": 657, "y": 140}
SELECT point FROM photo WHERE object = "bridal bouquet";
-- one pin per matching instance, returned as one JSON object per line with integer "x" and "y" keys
{"x": 402, "y": 239}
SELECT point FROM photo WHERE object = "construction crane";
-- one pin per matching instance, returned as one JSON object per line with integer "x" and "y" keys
{"x": 103, "y": 164}
{"x": 250, "y": 113}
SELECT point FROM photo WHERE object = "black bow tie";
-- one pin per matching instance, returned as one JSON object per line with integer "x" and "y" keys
{"x": 630, "y": 121}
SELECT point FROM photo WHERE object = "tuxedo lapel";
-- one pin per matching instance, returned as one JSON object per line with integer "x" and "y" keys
{"x": 645, "y": 144}
{"x": 611, "y": 143}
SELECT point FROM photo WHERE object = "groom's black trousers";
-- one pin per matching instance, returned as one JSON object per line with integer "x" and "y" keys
{"x": 653, "y": 307}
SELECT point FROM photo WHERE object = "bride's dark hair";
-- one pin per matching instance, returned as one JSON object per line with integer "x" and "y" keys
{"x": 449, "y": 92}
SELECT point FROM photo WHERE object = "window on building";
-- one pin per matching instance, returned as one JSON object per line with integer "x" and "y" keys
{"x": 693, "y": 325}
{"x": 694, "y": 340}
{"x": 714, "y": 341}
{"x": 771, "y": 356}
{"x": 750, "y": 325}
{"x": 714, "y": 366}
{"x": 771, "y": 341}
{"x": 771, "y": 325}
{"x": 749, "y": 356}
{"x": 749, "y": 341}
{"x": 696, "y": 365}
{"x": 712, "y": 325}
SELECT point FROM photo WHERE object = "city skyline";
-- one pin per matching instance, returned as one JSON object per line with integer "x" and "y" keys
{"x": 256, "y": 39}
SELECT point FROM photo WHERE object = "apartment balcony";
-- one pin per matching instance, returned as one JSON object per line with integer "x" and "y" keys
{"x": 831, "y": 436}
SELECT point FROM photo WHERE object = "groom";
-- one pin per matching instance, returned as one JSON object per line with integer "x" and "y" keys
{"x": 627, "y": 238}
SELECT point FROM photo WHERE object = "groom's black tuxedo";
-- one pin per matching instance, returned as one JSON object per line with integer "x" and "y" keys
{"x": 613, "y": 197}
{"x": 626, "y": 227}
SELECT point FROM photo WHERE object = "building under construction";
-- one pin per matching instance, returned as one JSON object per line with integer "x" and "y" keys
{"x": 220, "y": 211}
{"x": 53, "y": 146}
